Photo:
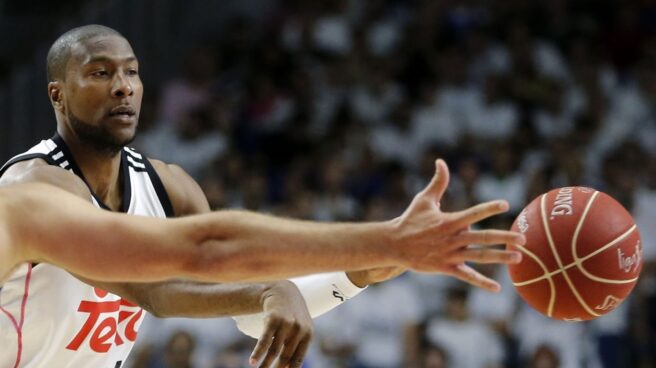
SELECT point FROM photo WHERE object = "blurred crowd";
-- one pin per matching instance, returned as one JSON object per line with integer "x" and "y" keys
{"x": 335, "y": 110}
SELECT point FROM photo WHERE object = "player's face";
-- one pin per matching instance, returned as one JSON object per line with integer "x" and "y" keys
{"x": 103, "y": 92}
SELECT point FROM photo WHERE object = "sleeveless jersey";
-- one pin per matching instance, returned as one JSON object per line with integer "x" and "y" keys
{"x": 48, "y": 318}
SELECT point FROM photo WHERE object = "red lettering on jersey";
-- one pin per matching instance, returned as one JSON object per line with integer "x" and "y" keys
{"x": 100, "y": 292}
{"x": 99, "y": 340}
{"x": 127, "y": 303}
{"x": 95, "y": 309}
{"x": 130, "y": 331}
{"x": 105, "y": 333}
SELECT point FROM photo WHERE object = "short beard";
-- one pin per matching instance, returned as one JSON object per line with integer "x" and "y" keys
{"x": 97, "y": 138}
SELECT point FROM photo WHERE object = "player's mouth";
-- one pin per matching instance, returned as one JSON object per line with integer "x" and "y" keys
{"x": 123, "y": 112}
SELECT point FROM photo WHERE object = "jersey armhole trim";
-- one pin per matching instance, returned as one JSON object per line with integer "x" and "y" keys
{"x": 162, "y": 194}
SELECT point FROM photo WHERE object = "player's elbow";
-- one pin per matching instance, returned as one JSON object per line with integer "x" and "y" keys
{"x": 151, "y": 307}
{"x": 218, "y": 261}
{"x": 203, "y": 263}
{"x": 217, "y": 252}
{"x": 151, "y": 297}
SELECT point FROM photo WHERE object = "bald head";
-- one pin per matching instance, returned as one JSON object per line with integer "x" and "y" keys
{"x": 60, "y": 51}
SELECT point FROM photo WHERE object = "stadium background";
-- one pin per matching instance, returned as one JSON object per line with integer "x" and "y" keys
{"x": 335, "y": 109}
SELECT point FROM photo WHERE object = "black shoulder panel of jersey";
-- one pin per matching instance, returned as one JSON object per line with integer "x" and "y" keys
{"x": 159, "y": 188}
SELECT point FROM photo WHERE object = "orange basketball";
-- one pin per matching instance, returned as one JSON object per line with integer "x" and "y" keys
{"x": 582, "y": 257}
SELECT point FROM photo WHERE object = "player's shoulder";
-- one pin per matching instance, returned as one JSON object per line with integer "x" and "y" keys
{"x": 163, "y": 167}
{"x": 170, "y": 174}
{"x": 183, "y": 191}
{"x": 33, "y": 170}
{"x": 26, "y": 165}
{"x": 38, "y": 170}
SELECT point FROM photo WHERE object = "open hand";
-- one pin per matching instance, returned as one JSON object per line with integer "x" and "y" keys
{"x": 429, "y": 240}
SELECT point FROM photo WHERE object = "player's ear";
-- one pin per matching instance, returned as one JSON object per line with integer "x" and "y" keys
{"x": 56, "y": 95}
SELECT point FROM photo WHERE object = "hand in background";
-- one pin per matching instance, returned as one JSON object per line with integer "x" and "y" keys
{"x": 288, "y": 328}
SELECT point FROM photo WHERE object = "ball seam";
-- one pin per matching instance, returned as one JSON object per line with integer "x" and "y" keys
{"x": 552, "y": 245}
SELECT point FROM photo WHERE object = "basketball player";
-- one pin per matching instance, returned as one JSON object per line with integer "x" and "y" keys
{"x": 96, "y": 94}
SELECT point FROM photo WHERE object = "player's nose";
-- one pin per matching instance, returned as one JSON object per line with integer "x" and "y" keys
{"x": 122, "y": 87}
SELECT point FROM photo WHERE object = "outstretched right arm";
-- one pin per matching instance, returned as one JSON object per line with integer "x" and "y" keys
{"x": 51, "y": 225}
{"x": 232, "y": 246}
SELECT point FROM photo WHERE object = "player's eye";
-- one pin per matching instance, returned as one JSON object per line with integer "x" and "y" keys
{"x": 133, "y": 72}
{"x": 100, "y": 73}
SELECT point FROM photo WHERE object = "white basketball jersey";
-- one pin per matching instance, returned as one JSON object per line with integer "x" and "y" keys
{"x": 48, "y": 318}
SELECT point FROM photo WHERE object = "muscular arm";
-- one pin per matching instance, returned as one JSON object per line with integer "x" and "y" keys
{"x": 227, "y": 246}
{"x": 238, "y": 245}
{"x": 192, "y": 299}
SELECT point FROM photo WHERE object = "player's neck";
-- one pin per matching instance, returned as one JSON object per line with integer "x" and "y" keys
{"x": 100, "y": 169}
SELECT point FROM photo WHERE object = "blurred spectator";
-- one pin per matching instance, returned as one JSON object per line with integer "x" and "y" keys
{"x": 192, "y": 90}
{"x": 215, "y": 192}
{"x": 570, "y": 341}
{"x": 193, "y": 142}
{"x": 559, "y": 108}
{"x": 610, "y": 334}
{"x": 489, "y": 57}
{"x": 332, "y": 31}
{"x": 233, "y": 356}
{"x": 544, "y": 357}
{"x": 381, "y": 321}
{"x": 492, "y": 116}
{"x": 463, "y": 337}
{"x": 432, "y": 123}
{"x": 178, "y": 350}
{"x": 644, "y": 210}
{"x": 376, "y": 96}
{"x": 334, "y": 203}
{"x": 433, "y": 356}
{"x": 504, "y": 180}
{"x": 395, "y": 140}
{"x": 457, "y": 95}
{"x": 201, "y": 339}
{"x": 383, "y": 23}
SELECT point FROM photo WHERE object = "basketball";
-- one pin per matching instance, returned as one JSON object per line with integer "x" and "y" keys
{"x": 582, "y": 256}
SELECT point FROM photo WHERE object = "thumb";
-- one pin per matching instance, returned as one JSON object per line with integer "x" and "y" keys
{"x": 439, "y": 182}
